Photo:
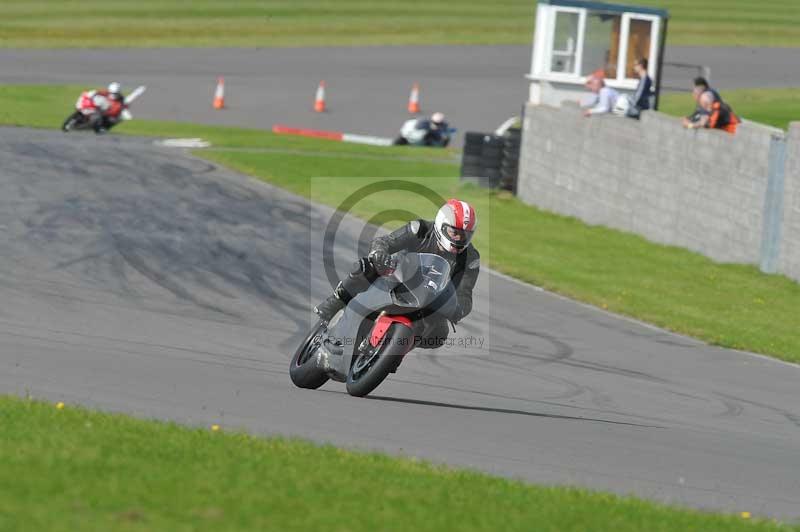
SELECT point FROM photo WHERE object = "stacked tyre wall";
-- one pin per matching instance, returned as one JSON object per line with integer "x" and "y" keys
{"x": 491, "y": 161}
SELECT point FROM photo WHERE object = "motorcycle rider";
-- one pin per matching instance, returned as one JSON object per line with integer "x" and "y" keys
{"x": 448, "y": 236}
{"x": 102, "y": 106}
{"x": 434, "y": 131}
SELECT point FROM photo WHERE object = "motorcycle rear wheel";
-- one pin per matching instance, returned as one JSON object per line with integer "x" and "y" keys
{"x": 303, "y": 368}
{"x": 369, "y": 370}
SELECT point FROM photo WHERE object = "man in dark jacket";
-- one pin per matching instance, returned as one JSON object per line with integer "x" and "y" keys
{"x": 641, "y": 98}
{"x": 448, "y": 236}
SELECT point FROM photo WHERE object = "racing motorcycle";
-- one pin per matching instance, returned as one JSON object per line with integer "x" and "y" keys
{"x": 415, "y": 133}
{"x": 367, "y": 340}
{"x": 116, "y": 112}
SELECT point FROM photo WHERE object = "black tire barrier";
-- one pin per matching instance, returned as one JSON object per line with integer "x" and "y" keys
{"x": 471, "y": 160}
{"x": 472, "y": 137}
{"x": 509, "y": 182}
{"x": 471, "y": 170}
{"x": 489, "y": 181}
{"x": 491, "y": 161}
{"x": 492, "y": 153}
{"x": 474, "y": 150}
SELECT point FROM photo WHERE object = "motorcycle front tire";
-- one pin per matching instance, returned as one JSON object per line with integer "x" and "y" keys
{"x": 71, "y": 121}
{"x": 397, "y": 343}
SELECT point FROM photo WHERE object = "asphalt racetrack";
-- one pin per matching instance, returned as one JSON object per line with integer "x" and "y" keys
{"x": 477, "y": 87}
{"x": 138, "y": 279}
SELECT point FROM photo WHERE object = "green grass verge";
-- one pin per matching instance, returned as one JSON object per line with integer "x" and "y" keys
{"x": 724, "y": 304}
{"x": 70, "y": 469}
{"x": 158, "y": 23}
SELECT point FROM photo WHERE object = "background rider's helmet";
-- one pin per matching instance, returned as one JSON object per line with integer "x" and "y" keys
{"x": 437, "y": 119}
{"x": 114, "y": 87}
{"x": 454, "y": 225}
{"x": 622, "y": 106}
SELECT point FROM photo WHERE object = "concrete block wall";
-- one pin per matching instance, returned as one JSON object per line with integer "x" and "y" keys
{"x": 700, "y": 189}
{"x": 789, "y": 258}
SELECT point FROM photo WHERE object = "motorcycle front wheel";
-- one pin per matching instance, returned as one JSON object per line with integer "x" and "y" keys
{"x": 371, "y": 368}
{"x": 70, "y": 122}
{"x": 303, "y": 369}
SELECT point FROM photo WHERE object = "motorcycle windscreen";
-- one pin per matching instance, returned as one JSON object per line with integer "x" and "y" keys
{"x": 422, "y": 277}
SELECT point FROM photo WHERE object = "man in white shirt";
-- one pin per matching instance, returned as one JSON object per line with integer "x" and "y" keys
{"x": 605, "y": 97}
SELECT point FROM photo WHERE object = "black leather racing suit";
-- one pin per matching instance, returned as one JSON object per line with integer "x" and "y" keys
{"x": 418, "y": 236}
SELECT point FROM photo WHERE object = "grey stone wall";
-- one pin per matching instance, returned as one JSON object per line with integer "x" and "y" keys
{"x": 789, "y": 258}
{"x": 699, "y": 189}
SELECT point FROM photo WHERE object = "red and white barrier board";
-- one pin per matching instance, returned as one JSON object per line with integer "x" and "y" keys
{"x": 331, "y": 135}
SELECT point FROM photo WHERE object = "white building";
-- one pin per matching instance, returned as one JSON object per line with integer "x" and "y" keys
{"x": 574, "y": 39}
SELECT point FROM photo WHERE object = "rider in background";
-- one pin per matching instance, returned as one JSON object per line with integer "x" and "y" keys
{"x": 448, "y": 236}
{"x": 437, "y": 129}
{"x": 102, "y": 106}
{"x": 434, "y": 131}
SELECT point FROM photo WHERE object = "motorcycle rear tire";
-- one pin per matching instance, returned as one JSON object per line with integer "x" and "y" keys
{"x": 303, "y": 369}
{"x": 395, "y": 346}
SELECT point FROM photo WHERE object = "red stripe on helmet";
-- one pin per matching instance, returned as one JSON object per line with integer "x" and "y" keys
{"x": 470, "y": 221}
{"x": 458, "y": 209}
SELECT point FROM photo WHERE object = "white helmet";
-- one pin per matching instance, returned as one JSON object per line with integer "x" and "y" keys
{"x": 114, "y": 87}
{"x": 622, "y": 106}
{"x": 454, "y": 225}
{"x": 437, "y": 118}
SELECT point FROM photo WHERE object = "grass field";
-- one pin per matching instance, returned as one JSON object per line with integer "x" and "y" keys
{"x": 70, "y": 469}
{"x": 724, "y": 304}
{"x": 156, "y": 23}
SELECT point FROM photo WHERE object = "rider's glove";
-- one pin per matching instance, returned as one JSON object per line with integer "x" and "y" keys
{"x": 382, "y": 262}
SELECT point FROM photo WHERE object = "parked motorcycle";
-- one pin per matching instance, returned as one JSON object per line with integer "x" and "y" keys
{"x": 367, "y": 341}
{"x": 116, "y": 112}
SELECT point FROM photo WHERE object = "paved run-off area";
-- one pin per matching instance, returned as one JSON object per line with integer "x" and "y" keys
{"x": 140, "y": 280}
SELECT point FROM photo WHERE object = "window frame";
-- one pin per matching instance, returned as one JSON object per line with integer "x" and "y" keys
{"x": 551, "y": 30}
{"x": 624, "y": 35}
{"x": 542, "y": 62}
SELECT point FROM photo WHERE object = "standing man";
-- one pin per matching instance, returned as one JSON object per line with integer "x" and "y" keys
{"x": 641, "y": 98}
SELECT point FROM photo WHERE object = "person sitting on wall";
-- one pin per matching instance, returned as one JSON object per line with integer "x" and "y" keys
{"x": 641, "y": 98}
{"x": 604, "y": 97}
{"x": 711, "y": 112}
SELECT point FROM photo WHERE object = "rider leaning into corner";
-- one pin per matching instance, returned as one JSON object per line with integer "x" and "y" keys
{"x": 434, "y": 131}
{"x": 448, "y": 236}
{"x": 99, "y": 104}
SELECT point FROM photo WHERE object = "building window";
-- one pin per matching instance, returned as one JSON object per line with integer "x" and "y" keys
{"x": 639, "y": 35}
{"x": 565, "y": 42}
{"x": 601, "y": 44}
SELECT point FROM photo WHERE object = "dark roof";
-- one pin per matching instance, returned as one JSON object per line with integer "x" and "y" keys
{"x": 608, "y": 8}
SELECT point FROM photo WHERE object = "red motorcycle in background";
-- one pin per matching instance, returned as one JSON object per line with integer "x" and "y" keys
{"x": 100, "y": 110}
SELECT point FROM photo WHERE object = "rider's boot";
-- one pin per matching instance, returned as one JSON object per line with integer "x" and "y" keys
{"x": 359, "y": 279}
{"x": 335, "y": 302}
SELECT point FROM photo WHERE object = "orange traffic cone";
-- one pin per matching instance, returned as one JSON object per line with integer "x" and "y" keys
{"x": 413, "y": 100}
{"x": 219, "y": 94}
{"x": 319, "y": 101}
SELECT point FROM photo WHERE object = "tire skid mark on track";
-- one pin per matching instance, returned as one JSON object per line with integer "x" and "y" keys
{"x": 789, "y": 416}
{"x": 546, "y": 401}
{"x": 505, "y": 411}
